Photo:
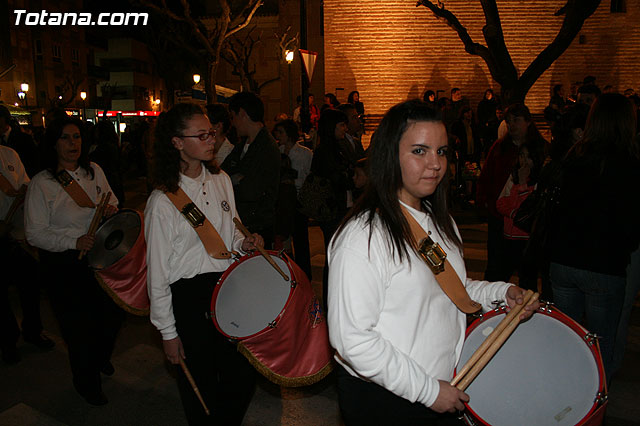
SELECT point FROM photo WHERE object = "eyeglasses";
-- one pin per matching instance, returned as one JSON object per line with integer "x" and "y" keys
{"x": 201, "y": 136}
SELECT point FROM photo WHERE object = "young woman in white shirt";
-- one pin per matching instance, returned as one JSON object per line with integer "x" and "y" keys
{"x": 89, "y": 319}
{"x": 182, "y": 275}
{"x": 397, "y": 335}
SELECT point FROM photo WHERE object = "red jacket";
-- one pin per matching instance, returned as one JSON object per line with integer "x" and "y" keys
{"x": 508, "y": 205}
{"x": 500, "y": 162}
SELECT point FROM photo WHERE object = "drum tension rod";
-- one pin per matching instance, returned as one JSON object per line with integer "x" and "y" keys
{"x": 591, "y": 338}
{"x": 601, "y": 397}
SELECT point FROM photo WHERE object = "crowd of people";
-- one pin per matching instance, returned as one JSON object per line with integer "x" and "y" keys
{"x": 385, "y": 306}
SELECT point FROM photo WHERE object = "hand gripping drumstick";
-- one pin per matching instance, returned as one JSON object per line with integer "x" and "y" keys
{"x": 264, "y": 254}
{"x": 96, "y": 218}
{"x": 193, "y": 384}
{"x": 492, "y": 344}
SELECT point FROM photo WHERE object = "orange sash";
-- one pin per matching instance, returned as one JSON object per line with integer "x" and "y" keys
{"x": 436, "y": 259}
{"x": 213, "y": 243}
{"x": 74, "y": 189}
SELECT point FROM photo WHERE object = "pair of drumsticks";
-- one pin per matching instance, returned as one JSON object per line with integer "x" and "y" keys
{"x": 97, "y": 216}
{"x": 492, "y": 344}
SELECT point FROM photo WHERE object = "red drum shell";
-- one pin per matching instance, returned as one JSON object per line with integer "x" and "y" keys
{"x": 289, "y": 341}
{"x": 126, "y": 279}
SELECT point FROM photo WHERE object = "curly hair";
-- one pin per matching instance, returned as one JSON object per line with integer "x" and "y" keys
{"x": 167, "y": 161}
{"x": 51, "y": 136}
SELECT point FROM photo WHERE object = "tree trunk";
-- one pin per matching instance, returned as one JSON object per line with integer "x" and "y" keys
{"x": 512, "y": 94}
{"x": 210, "y": 82}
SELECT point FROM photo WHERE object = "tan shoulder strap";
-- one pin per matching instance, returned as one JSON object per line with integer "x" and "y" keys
{"x": 6, "y": 187}
{"x": 74, "y": 189}
{"x": 213, "y": 243}
{"x": 436, "y": 258}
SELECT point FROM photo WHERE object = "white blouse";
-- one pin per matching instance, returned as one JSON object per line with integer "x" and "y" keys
{"x": 391, "y": 323}
{"x": 174, "y": 250}
{"x": 11, "y": 168}
{"x": 52, "y": 220}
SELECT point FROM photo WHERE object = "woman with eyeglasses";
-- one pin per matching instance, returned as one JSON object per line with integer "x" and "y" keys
{"x": 57, "y": 219}
{"x": 182, "y": 275}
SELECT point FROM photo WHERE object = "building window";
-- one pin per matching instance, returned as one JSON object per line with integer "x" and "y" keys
{"x": 57, "y": 53}
{"x": 74, "y": 55}
{"x": 618, "y": 6}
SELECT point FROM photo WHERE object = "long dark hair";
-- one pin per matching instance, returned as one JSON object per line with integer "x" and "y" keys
{"x": 166, "y": 158}
{"x": 51, "y": 136}
{"x": 610, "y": 129}
{"x": 381, "y": 192}
{"x": 329, "y": 119}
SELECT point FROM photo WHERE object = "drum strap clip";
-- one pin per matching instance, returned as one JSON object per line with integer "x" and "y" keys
{"x": 193, "y": 214}
{"x": 432, "y": 254}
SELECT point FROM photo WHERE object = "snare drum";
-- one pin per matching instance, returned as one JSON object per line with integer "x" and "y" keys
{"x": 118, "y": 258}
{"x": 278, "y": 323}
{"x": 548, "y": 373}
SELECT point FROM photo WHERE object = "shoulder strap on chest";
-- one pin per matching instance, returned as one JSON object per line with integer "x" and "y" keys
{"x": 74, "y": 189}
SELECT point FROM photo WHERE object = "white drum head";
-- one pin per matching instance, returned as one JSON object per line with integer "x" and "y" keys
{"x": 545, "y": 374}
{"x": 251, "y": 296}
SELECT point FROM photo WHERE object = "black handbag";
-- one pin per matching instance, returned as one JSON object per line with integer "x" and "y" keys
{"x": 535, "y": 208}
{"x": 317, "y": 199}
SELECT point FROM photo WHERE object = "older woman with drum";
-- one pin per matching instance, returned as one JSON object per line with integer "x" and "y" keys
{"x": 397, "y": 334}
{"x": 182, "y": 270}
{"x": 59, "y": 207}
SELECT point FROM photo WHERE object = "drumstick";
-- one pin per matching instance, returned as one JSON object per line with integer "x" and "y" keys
{"x": 95, "y": 221}
{"x": 193, "y": 384}
{"x": 491, "y": 351}
{"x": 262, "y": 251}
{"x": 491, "y": 338}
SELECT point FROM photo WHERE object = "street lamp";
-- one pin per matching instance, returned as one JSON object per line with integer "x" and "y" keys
{"x": 83, "y": 96}
{"x": 196, "y": 78}
{"x": 25, "y": 88}
{"x": 21, "y": 96}
{"x": 288, "y": 56}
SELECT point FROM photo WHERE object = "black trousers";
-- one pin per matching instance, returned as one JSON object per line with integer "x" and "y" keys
{"x": 224, "y": 377}
{"x": 19, "y": 269}
{"x": 89, "y": 319}
{"x": 368, "y": 404}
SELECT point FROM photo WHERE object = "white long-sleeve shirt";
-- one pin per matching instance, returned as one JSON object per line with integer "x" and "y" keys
{"x": 11, "y": 168}
{"x": 52, "y": 220}
{"x": 390, "y": 323}
{"x": 175, "y": 251}
{"x": 301, "y": 158}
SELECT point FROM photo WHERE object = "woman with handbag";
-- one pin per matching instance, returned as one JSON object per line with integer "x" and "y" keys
{"x": 520, "y": 185}
{"x": 595, "y": 225}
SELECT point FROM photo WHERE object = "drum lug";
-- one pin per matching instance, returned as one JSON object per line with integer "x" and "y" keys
{"x": 273, "y": 324}
{"x": 498, "y": 304}
{"x": 591, "y": 338}
{"x": 601, "y": 398}
{"x": 294, "y": 283}
{"x": 547, "y": 306}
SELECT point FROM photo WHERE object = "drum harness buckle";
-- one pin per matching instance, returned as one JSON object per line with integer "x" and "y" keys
{"x": 64, "y": 178}
{"x": 432, "y": 254}
{"x": 193, "y": 214}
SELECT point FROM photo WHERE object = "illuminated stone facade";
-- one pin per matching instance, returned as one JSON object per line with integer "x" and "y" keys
{"x": 393, "y": 50}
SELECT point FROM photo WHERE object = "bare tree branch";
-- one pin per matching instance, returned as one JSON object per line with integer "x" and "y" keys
{"x": 255, "y": 4}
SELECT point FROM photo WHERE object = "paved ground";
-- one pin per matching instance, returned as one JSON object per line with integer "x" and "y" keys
{"x": 38, "y": 390}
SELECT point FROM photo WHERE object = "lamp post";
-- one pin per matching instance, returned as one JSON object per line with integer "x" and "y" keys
{"x": 24, "y": 87}
{"x": 157, "y": 102}
{"x": 21, "y": 96}
{"x": 83, "y": 96}
{"x": 196, "y": 78}
{"x": 288, "y": 56}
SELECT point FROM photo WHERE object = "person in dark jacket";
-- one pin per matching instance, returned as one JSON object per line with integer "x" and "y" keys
{"x": 254, "y": 166}
{"x": 595, "y": 226}
{"x": 12, "y": 136}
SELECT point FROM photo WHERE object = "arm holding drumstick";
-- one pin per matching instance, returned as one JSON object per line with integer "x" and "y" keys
{"x": 86, "y": 241}
{"x": 258, "y": 247}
